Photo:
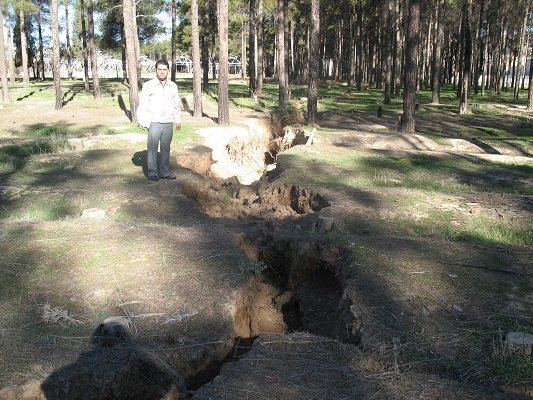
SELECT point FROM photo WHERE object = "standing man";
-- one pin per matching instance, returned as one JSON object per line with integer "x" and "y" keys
{"x": 158, "y": 111}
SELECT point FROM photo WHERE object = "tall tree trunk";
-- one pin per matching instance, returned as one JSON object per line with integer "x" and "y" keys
{"x": 129, "y": 15}
{"x": 123, "y": 53}
{"x": 388, "y": 43}
{"x": 437, "y": 50}
{"x": 205, "y": 47}
{"x": 92, "y": 51}
{"x": 137, "y": 46}
{"x": 398, "y": 70}
{"x": 84, "y": 46}
{"x": 252, "y": 73}
{"x": 313, "y": 60}
{"x": 24, "y": 48}
{"x": 259, "y": 50}
{"x": 9, "y": 48}
{"x": 359, "y": 45}
{"x": 283, "y": 84}
{"x": 70, "y": 67}
{"x": 173, "y": 40}
{"x": 223, "y": 68}
{"x": 196, "y": 68}
{"x": 243, "y": 49}
{"x": 521, "y": 51}
{"x": 286, "y": 44}
{"x": 3, "y": 65}
{"x": 41, "y": 49}
{"x": 467, "y": 58}
{"x": 412, "y": 37}
{"x": 55, "y": 54}
{"x": 530, "y": 89}
{"x": 481, "y": 47}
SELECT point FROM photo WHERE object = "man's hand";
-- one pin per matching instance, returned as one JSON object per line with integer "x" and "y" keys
{"x": 142, "y": 127}
{"x": 178, "y": 126}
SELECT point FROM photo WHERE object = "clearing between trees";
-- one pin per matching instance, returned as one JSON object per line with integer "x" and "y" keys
{"x": 286, "y": 261}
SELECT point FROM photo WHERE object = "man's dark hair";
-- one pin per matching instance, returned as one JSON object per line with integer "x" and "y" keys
{"x": 162, "y": 62}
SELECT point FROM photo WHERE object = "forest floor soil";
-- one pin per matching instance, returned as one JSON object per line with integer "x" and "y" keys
{"x": 291, "y": 287}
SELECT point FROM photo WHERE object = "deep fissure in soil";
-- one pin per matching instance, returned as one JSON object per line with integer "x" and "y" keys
{"x": 300, "y": 290}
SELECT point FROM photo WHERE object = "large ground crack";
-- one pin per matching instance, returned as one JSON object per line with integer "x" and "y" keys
{"x": 299, "y": 289}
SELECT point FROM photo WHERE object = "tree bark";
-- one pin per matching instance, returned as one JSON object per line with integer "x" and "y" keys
{"x": 223, "y": 68}
{"x": 259, "y": 50}
{"x": 196, "y": 68}
{"x": 3, "y": 65}
{"x": 313, "y": 60}
{"x": 24, "y": 49}
{"x": 84, "y": 46}
{"x": 92, "y": 51}
{"x": 55, "y": 54}
{"x": 173, "y": 39}
{"x": 437, "y": 51}
{"x": 359, "y": 46}
{"x": 41, "y": 49}
{"x": 521, "y": 51}
{"x": 9, "y": 48}
{"x": 70, "y": 67}
{"x": 205, "y": 47}
{"x": 129, "y": 14}
{"x": 388, "y": 43}
{"x": 412, "y": 37}
{"x": 252, "y": 73}
{"x": 282, "y": 77}
{"x": 530, "y": 89}
{"x": 467, "y": 58}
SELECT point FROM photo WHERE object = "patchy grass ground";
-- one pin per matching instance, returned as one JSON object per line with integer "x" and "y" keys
{"x": 429, "y": 260}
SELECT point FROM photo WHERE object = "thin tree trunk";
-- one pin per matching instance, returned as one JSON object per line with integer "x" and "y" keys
{"x": 24, "y": 49}
{"x": 359, "y": 46}
{"x": 196, "y": 68}
{"x": 205, "y": 47}
{"x": 530, "y": 89}
{"x": 3, "y": 65}
{"x": 521, "y": 51}
{"x": 286, "y": 44}
{"x": 173, "y": 40}
{"x": 407, "y": 123}
{"x": 129, "y": 14}
{"x": 467, "y": 61}
{"x": 55, "y": 54}
{"x": 259, "y": 50}
{"x": 243, "y": 49}
{"x": 123, "y": 54}
{"x": 9, "y": 47}
{"x": 437, "y": 50}
{"x": 223, "y": 69}
{"x": 313, "y": 59}
{"x": 70, "y": 67}
{"x": 283, "y": 84}
{"x": 92, "y": 51}
{"x": 137, "y": 46}
{"x": 252, "y": 73}
{"x": 41, "y": 49}
{"x": 481, "y": 45}
{"x": 84, "y": 47}
{"x": 389, "y": 32}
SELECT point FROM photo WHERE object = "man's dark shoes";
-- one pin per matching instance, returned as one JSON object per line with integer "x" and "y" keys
{"x": 153, "y": 178}
{"x": 167, "y": 177}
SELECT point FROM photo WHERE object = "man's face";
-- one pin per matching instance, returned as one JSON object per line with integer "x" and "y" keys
{"x": 162, "y": 72}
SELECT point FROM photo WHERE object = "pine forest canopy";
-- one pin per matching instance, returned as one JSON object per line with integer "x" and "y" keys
{"x": 362, "y": 42}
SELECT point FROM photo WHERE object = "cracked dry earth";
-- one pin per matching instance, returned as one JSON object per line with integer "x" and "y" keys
{"x": 205, "y": 288}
